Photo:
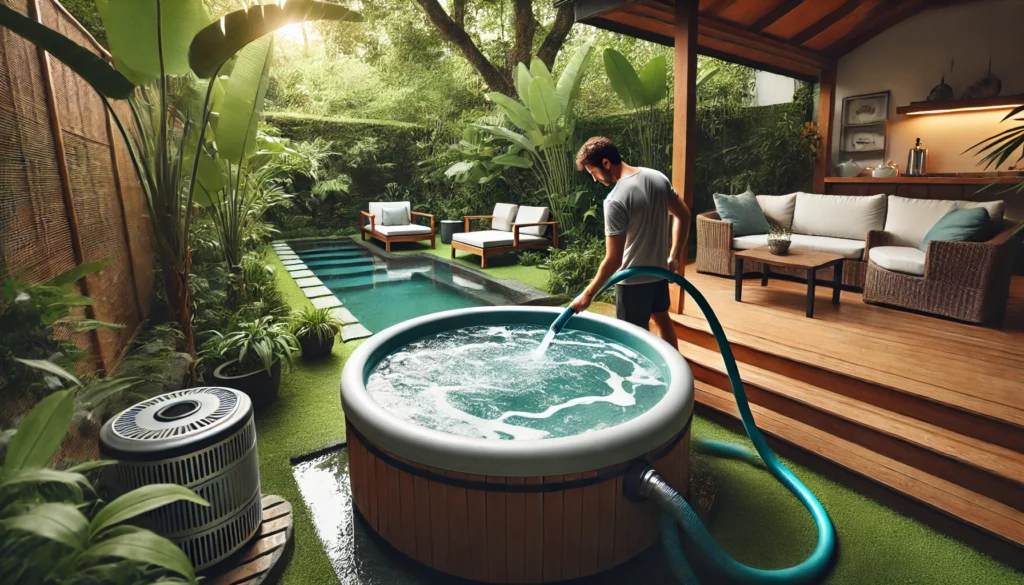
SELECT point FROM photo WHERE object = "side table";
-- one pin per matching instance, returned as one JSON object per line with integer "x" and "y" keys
{"x": 450, "y": 227}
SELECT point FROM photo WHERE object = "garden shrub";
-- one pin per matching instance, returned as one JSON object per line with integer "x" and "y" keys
{"x": 531, "y": 258}
{"x": 573, "y": 268}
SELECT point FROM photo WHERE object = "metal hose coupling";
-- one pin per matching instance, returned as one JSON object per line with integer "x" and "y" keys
{"x": 642, "y": 482}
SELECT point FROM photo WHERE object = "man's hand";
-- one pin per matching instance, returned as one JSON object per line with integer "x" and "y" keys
{"x": 673, "y": 265}
{"x": 580, "y": 303}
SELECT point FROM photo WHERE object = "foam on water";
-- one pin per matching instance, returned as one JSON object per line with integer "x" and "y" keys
{"x": 492, "y": 382}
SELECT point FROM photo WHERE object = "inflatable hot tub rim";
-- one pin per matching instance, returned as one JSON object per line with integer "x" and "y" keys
{"x": 576, "y": 454}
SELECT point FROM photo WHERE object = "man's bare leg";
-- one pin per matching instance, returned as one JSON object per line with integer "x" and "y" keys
{"x": 665, "y": 328}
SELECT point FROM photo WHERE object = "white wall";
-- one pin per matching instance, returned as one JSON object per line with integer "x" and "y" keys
{"x": 909, "y": 60}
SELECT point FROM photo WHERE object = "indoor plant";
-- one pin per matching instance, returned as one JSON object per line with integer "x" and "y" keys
{"x": 315, "y": 330}
{"x": 253, "y": 354}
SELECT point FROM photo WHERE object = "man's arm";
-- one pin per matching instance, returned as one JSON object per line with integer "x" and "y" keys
{"x": 614, "y": 246}
{"x": 680, "y": 229}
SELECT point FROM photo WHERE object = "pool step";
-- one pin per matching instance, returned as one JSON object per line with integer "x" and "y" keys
{"x": 357, "y": 282}
{"x": 338, "y": 263}
{"x": 940, "y": 457}
{"x": 348, "y": 271}
{"x": 331, "y": 254}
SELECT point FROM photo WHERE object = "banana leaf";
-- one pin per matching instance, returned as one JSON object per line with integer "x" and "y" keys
{"x": 624, "y": 80}
{"x": 517, "y": 113}
{"x": 216, "y": 43}
{"x": 243, "y": 101}
{"x": 43, "y": 429}
{"x": 652, "y": 77}
{"x": 568, "y": 87}
{"x": 544, "y": 104}
{"x": 523, "y": 79}
{"x": 94, "y": 70}
{"x": 539, "y": 69}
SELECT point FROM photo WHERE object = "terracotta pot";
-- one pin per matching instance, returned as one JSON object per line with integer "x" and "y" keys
{"x": 313, "y": 347}
{"x": 260, "y": 386}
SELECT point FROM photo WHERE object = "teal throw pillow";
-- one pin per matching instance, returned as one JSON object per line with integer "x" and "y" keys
{"x": 743, "y": 212}
{"x": 957, "y": 226}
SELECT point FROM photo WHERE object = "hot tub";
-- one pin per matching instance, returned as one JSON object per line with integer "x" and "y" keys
{"x": 512, "y": 511}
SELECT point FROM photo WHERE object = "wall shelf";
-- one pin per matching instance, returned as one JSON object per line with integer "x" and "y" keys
{"x": 995, "y": 103}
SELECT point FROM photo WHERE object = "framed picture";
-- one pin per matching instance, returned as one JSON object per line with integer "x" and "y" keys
{"x": 866, "y": 109}
{"x": 864, "y": 139}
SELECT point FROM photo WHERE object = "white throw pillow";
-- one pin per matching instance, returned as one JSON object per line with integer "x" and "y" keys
{"x": 394, "y": 215}
{"x": 996, "y": 209}
{"x": 504, "y": 214}
{"x": 838, "y": 216}
{"x": 909, "y": 220}
{"x": 778, "y": 208}
{"x": 529, "y": 214}
{"x": 377, "y": 210}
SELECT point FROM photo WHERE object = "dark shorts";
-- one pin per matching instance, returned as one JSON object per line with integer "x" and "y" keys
{"x": 635, "y": 303}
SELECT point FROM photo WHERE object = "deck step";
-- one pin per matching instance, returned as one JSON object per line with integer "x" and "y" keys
{"x": 944, "y": 443}
{"x": 961, "y": 503}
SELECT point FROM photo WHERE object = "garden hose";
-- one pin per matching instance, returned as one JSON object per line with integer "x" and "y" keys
{"x": 644, "y": 482}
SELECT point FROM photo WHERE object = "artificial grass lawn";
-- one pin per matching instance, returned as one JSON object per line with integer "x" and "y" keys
{"x": 754, "y": 518}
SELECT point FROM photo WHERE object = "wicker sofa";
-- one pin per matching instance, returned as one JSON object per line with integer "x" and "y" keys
{"x": 966, "y": 281}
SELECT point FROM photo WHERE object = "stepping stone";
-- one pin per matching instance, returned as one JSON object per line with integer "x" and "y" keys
{"x": 326, "y": 302}
{"x": 316, "y": 291}
{"x": 355, "y": 331}
{"x": 344, "y": 315}
{"x": 288, "y": 256}
{"x": 308, "y": 281}
{"x": 297, "y": 274}
{"x": 279, "y": 245}
{"x": 294, "y": 262}
{"x": 293, "y": 268}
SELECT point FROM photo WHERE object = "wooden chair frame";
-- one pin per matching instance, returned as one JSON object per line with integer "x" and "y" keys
{"x": 485, "y": 253}
{"x": 388, "y": 240}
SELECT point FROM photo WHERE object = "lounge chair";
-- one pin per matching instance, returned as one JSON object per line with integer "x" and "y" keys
{"x": 393, "y": 222}
{"x": 512, "y": 228}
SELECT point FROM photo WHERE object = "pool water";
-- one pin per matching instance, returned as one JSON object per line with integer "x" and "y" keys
{"x": 381, "y": 290}
{"x": 491, "y": 382}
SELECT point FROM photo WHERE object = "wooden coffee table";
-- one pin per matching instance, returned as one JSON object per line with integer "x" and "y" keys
{"x": 801, "y": 259}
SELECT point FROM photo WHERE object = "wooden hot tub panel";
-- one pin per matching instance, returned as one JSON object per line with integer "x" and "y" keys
{"x": 507, "y": 537}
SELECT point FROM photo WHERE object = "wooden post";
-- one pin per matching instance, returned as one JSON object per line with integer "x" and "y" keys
{"x": 684, "y": 123}
{"x": 65, "y": 177}
{"x": 826, "y": 111}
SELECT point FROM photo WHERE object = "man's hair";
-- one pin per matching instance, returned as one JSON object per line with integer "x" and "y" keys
{"x": 595, "y": 150}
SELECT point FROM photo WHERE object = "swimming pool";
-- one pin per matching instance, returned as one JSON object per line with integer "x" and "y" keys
{"x": 382, "y": 289}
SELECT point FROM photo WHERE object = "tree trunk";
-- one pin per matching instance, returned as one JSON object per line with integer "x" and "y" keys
{"x": 560, "y": 27}
{"x": 525, "y": 27}
{"x": 179, "y": 303}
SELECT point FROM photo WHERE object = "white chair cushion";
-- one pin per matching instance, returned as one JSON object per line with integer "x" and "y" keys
{"x": 493, "y": 239}
{"x": 838, "y": 216}
{"x": 504, "y": 214}
{"x": 996, "y": 209}
{"x": 899, "y": 259}
{"x": 377, "y": 209}
{"x": 401, "y": 230}
{"x": 394, "y": 215}
{"x": 909, "y": 220}
{"x": 529, "y": 214}
{"x": 778, "y": 208}
{"x": 852, "y": 249}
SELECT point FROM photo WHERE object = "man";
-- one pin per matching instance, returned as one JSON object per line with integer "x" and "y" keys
{"x": 636, "y": 213}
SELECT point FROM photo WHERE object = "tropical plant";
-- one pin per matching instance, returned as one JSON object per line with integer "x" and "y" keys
{"x": 258, "y": 345}
{"x": 37, "y": 320}
{"x": 545, "y": 114}
{"x": 312, "y": 323}
{"x": 644, "y": 95}
{"x": 154, "y": 48}
{"x": 531, "y": 258}
{"x": 572, "y": 268}
{"x": 54, "y": 529}
{"x": 998, "y": 148}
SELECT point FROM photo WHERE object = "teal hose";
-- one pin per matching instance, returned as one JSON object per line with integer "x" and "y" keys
{"x": 679, "y": 510}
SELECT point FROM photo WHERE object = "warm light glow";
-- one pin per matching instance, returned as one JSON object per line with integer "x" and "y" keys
{"x": 966, "y": 109}
{"x": 292, "y": 32}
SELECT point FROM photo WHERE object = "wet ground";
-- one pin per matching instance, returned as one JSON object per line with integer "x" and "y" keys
{"x": 360, "y": 558}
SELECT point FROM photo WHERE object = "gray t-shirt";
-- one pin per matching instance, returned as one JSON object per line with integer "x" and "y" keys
{"x": 638, "y": 207}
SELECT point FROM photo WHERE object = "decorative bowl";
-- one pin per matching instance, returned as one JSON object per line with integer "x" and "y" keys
{"x": 778, "y": 247}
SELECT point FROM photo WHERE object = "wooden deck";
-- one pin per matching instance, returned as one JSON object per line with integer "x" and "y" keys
{"x": 928, "y": 408}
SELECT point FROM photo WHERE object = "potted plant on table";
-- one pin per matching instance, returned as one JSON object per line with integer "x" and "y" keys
{"x": 254, "y": 354}
{"x": 315, "y": 330}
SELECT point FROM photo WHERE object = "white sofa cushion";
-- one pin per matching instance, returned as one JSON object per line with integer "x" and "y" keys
{"x": 529, "y": 214}
{"x": 504, "y": 214}
{"x": 377, "y": 209}
{"x": 996, "y": 209}
{"x": 899, "y": 259}
{"x": 394, "y": 215}
{"x": 778, "y": 208}
{"x": 494, "y": 239}
{"x": 852, "y": 249}
{"x": 838, "y": 216}
{"x": 908, "y": 220}
{"x": 401, "y": 230}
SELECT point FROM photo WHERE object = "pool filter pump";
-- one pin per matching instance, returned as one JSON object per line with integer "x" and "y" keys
{"x": 201, "y": 438}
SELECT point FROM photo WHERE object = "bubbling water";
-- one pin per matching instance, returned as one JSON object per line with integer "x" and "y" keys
{"x": 491, "y": 382}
